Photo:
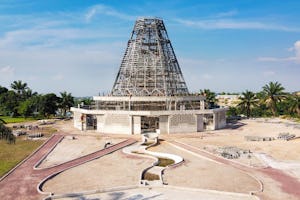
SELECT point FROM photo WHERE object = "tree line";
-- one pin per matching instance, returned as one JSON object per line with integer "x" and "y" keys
{"x": 20, "y": 100}
{"x": 272, "y": 100}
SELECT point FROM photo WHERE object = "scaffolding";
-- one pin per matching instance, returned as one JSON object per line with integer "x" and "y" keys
{"x": 149, "y": 103}
{"x": 149, "y": 66}
{"x": 149, "y": 92}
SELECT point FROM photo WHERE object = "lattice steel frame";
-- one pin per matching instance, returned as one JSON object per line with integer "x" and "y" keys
{"x": 149, "y": 66}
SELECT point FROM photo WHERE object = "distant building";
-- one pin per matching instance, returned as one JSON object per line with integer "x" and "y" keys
{"x": 227, "y": 100}
{"x": 149, "y": 93}
{"x": 297, "y": 93}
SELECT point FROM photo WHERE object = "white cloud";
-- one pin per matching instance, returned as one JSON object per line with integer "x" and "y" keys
{"x": 297, "y": 50}
{"x": 50, "y": 37}
{"x": 72, "y": 68}
{"x": 227, "y": 14}
{"x": 7, "y": 71}
{"x": 274, "y": 59}
{"x": 100, "y": 9}
{"x": 55, "y": 29}
{"x": 269, "y": 73}
{"x": 296, "y": 58}
{"x": 90, "y": 14}
{"x": 210, "y": 24}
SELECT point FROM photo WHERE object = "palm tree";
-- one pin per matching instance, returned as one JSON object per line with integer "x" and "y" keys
{"x": 87, "y": 101}
{"x": 19, "y": 86}
{"x": 67, "y": 101}
{"x": 294, "y": 104}
{"x": 248, "y": 100}
{"x": 210, "y": 98}
{"x": 273, "y": 93}
{"x": 29, "y": 93}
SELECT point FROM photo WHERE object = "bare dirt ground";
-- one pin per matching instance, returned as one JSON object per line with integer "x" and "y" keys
{"x": 278, "y": 154}
{"x": 118, "y": 169}
{"x": 113, "y": 170}
{"x": 201, "y": 173}
{"x": 75, "y": 148}
{"x": 234, "y": 136}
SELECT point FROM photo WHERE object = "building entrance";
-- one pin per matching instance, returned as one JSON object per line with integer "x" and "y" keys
{"x": 149, "y": 124}
{"x": 91, "y": 122}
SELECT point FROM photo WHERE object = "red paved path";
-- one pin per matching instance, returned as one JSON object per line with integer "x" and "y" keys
{"x": 289, "y": 184}
{"x": 23, "y": 181}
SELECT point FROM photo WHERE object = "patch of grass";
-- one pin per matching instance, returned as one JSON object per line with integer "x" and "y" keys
{"x": 8, "y": 119}
{"x": 150, "y": 177}
{"x": 163, "y": 162}
{"x": 12, "y": 154}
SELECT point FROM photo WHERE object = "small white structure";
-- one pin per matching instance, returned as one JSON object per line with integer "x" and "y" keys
{"x": 228, "y": 100}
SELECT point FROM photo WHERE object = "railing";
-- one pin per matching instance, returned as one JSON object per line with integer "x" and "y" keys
{"x": 87, "y": 107}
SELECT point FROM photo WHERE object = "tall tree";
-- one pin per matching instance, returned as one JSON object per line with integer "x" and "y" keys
{"x": 48, "y": 104}
{"x": 9, "y": 103}
{"x": 19, "y": 87}
{"x": 273, "y": 93}
{"x": 29, "y": 93}
{"x": 3, "y": 90}
{"x": 210, "y": 98}
{"x": 294, "y": 104}
{"x": 66, "y": 102}
{"x": 27, "y": 107}
{"x": 247, "y": 101}
{"x": 84, "y": 100}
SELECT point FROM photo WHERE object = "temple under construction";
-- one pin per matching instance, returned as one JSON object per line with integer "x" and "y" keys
{"x": 149, "y": 93}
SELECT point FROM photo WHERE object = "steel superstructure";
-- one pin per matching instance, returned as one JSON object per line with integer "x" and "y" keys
{"x": 149, "y": 66}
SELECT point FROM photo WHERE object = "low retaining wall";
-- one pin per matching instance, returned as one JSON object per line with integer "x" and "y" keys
{"x": 155, "y": 155}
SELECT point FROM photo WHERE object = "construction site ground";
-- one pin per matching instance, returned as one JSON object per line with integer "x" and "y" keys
{"x": 202, "y": 173}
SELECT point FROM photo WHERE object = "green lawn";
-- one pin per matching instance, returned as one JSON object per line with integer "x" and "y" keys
{"x": 8, "y": 119}
{"x": 12, "y": 154}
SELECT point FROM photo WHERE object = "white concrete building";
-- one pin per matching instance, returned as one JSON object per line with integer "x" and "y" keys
{"x": 228, "y": 100}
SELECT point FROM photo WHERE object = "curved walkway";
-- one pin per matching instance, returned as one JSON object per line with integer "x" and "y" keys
{"x": 289, "y": 184}
{"x": 141, "y": 150}
{"x": 24, "y": 181}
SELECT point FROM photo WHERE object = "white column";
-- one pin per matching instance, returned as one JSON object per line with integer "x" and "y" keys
{"x": 215, "y": 121}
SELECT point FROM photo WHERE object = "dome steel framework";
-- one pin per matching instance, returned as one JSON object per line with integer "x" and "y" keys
{"x": 149, "y": 66}
{"x": 149, "y": 92}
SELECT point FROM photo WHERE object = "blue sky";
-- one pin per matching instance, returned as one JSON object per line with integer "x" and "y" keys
{"x": 77, "y": 46}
